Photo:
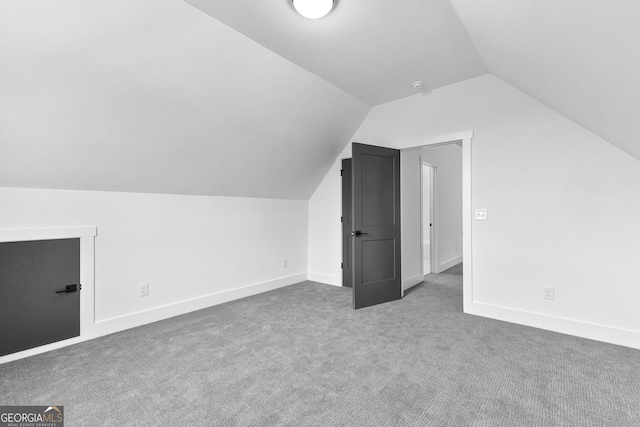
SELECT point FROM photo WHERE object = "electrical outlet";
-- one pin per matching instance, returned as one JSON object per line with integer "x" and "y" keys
{"x": 284, "y": 263}
{"x": 143, "y": 290}
{"x": 548, "y": 293}
{"x": 482, "y": 214}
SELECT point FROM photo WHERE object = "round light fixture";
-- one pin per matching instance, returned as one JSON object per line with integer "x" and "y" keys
{"x": 313, "y": 9}
{"x": 417, "y": 85}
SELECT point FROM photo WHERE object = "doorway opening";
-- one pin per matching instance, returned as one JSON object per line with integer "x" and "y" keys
{"x": 428, "y": 217}
{"x": 412, "y": 243}
{"x": 432, "y": 210}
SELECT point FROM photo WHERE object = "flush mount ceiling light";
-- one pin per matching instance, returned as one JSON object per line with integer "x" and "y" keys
{"x": 313, "y": 9}
{"x": 417, "y": 85}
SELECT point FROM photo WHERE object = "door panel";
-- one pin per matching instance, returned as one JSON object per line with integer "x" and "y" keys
{"x": 32, "y": 313}
{"x": 378, "y": 261}
{"x": 347, "y": 225}
{"x": 378, "y": 191}
{"x": 376, "y": 222}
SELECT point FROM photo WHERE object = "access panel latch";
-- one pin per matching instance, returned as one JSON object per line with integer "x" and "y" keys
{"x": 69, "y": 288}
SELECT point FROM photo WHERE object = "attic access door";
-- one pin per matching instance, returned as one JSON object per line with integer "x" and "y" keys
{"x": 376, "y": 225}
{"x": 39, "y": 293}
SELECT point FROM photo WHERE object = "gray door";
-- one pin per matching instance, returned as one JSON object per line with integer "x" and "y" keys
{"x": 36, "y": 306}
{"x": 376, "y": 225}
{"x": 347, "y": 224}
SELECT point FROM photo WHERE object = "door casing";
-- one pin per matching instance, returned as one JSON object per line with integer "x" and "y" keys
{"x": 429, "y": 227}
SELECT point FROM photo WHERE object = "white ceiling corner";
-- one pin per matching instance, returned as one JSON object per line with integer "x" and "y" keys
{"x": 579, "y": 57}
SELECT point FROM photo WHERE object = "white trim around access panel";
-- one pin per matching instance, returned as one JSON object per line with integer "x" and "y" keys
{"x": 30, "y": 234}
{"x": 87, "y": 278}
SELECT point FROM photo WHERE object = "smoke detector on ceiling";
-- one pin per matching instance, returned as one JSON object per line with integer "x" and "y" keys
{"x": 417, "y": 85}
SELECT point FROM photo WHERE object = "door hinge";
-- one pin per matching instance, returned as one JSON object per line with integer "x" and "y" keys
{"x": 342, "y": 265}
{"x": 341, "y": 170}
{"x": 341, "y": 219}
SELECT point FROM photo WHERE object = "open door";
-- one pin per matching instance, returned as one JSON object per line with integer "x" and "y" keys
{"x": 376, "y": 225}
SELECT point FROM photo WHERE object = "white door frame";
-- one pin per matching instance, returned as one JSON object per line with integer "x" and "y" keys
{"x": 466, "y": 140}
{"x": 433, "y": 214}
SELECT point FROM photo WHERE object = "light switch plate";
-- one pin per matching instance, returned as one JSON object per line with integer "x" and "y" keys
{"x": 481, "y": 214}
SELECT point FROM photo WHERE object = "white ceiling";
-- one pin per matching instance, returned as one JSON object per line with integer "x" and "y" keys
{"x": 372, "y": 49}
{"x": 579, "y": 57}
{"x": 251, "y": 99}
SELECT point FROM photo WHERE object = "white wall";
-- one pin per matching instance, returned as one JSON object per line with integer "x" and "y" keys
{"x": 194, "y": 251}
{"x": 157, "y": 97}
{"x": 562, "y": 206}
{"x": 325, "y": 254}
{"x": 448, "y": 159}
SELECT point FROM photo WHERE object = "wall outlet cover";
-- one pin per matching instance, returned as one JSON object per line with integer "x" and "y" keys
{"x": 481, "y": 214}
{"x": 143, "y": 290}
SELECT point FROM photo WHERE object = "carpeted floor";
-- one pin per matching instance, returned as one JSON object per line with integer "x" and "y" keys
{"x": 300, "y": 356}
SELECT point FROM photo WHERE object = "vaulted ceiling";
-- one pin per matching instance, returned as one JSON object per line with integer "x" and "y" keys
{"x": 247, "y": 98}
{"x": 372, "y": 49}
{"x": 579, "y": 57}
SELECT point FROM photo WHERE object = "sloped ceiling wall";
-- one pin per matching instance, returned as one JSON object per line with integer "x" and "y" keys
{"x": 579, "y": 57}
{"x": 372, "y": 49}
{"x": 155, "y": 96}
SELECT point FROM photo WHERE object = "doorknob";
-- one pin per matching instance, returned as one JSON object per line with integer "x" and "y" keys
{"x": 357, "y": 233}
{"x": 68, "y": 289}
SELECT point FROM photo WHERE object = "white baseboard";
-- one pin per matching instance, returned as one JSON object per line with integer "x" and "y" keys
{"x": 448, "y": 264}
{"x": 118, "y": 324}
{"x": 412, "y": 281}
{"x": 327, "y": 280}
{"x": 160, "y": 313}
{"x": 594, "y": 331}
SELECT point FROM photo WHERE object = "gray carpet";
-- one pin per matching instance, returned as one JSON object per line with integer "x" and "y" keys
{"x": 300, "y": 356}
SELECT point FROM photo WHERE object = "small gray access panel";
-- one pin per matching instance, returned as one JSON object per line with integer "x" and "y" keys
{"x": 39, "y": 293}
